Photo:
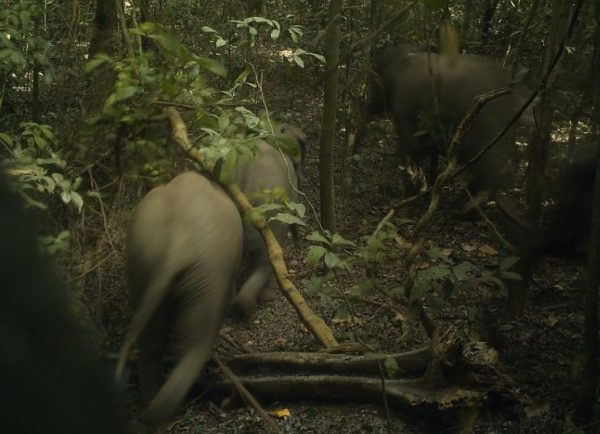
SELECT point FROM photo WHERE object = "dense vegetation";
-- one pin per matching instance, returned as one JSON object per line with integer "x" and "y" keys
{"x": 500, "y": 302}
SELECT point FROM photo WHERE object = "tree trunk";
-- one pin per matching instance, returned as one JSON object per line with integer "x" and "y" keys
{"x": 102, "y": 41}
{"x": 589, "y": 378}
{"x": 328, "y": 126}
{"x": 538, "y": 148}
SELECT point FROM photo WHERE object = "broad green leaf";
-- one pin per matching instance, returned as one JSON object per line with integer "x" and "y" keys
{"x": 297, "y": 207}
{"x": 332, "y": 260}
{"x": 207, "y": 29}
{"x": 318, "y": 238}
{"x": 40, "y": 142}
{"x": 465, "y": 270}
{"x": 298, "y": 61}
{"x": 337, "y": 239}
{"x": 315, "y": 253}
{"x": 275, "y": 33}
{"x": 211, "y": 65}
{"x": 6, "y": 139}
{"x": 511, "y": 275}
{"x": 509, "y": 262}
{"x": 124, "y": 93}
{"x": 288, "y": 218}
{"x": 220, "y": 42}
{"x": 95, "y": 62}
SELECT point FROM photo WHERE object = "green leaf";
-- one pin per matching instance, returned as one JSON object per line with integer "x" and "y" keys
{"x": 318, "y": 238}
{"x": 40, "y": 142}
{"x": 338, "y": 240}
{"x": 288, "y": 218}
{"x": 275, "y": 33}
{"x": 169, "y": 43}
{"x": 296, "y": 207}
{"x": 298, "y": 61}
{"x": 207, "y": 29}
{"x": 95, "y": 62}
{"x": 511, "y": 275}
{"x": 6, "y": 139}
{"x": 211, "y": 65}
{"x": 315, "y": 253}
{"x": 509, "y": 262}
{"x": 220, "y": 42}
{"x": 465, "y": 270}
{"x": 391, "y": 367}
{"x": 332, "y": 260}
{"x": 124, "y": 93}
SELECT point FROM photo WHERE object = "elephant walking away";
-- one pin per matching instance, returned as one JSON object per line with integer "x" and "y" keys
{"x": 270, "y": 169}
{"x": 426, "y": 107}
{"x": 183, "y": 253}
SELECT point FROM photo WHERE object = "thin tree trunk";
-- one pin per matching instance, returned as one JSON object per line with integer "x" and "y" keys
{"x": 589, "y": 384}
{"x": 102, "y": 41}
{"x": 328, "y": 126}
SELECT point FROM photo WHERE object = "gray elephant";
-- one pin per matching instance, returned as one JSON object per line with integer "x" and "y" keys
{"x": 427, "y": 107}
{"x": 183, "y": 253}
{"x": 270, "y": 169}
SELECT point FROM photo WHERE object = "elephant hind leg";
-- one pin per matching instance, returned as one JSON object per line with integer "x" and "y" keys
{"x": 152, "y": 343}
{"x": 180, "y": 381}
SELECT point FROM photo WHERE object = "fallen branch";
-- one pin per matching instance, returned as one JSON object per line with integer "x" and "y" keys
{"x": 410, "y": 364}
{"x": 312, "y": 321}
{"x": 412, "y": 394}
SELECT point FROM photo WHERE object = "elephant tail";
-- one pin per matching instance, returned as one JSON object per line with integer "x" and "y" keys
{"x": 149, "y": 304}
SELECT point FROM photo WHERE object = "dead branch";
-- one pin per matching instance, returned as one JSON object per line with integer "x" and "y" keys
{"x": 312, "y": 321}
{"x": 411, "y": 394}
{"x": 410, "y": 364}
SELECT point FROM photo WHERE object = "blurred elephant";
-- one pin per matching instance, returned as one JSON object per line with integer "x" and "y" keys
{"x": 183, "y": 254}
{"x": 52, "y": 382}
{"x": 428, "y": 94}
{"x": 270, "y": 169}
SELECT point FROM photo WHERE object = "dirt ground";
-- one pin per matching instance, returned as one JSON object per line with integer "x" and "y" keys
{"x": 537, "y": 350}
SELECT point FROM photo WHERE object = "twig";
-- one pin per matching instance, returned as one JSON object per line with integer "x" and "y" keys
{"x": 246, "y": 395}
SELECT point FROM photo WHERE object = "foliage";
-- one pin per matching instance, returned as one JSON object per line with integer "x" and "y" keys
{"x": 434, "y": 283}
{"x": 33, "y": 159}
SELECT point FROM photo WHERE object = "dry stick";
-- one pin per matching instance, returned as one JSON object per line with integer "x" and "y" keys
{"x": 312, "y": 321}
{"x": 245, "y": 394}
{"x": 485, "y": 218}
{"x": 453, "y": 169}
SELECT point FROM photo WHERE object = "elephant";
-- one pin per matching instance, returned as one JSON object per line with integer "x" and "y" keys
{"x": 270, "y": 169}
{"x": 52, "y": 380}
{"x": 426, "y": 108}
{"x": 183, "y": 254}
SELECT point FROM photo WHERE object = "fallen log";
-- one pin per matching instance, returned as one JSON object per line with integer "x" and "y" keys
{"x": 410, "y": 364}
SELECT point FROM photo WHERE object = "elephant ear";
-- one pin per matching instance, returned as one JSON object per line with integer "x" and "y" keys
{"x": 299, "y": 137}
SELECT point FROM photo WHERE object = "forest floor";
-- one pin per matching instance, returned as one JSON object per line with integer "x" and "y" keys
{"x": 537, "y": 349}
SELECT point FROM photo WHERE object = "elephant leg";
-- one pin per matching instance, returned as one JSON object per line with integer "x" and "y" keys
{"x": 245, "y": 302}
{"x": 195, "y": 331}
{"x": 175, "y": 389}
{"x": 152, "y": 344}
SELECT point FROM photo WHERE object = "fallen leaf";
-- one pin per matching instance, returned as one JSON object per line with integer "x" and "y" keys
{"x": 488, "y": 250}
{"x": 551, "y": 321}
{"x": 537, "y": 409}
{"x": 403, "y": 242}
{"x": 446, "y": 252}
{"x": 468, "y": 247}
{"x": 281, "y": 413}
